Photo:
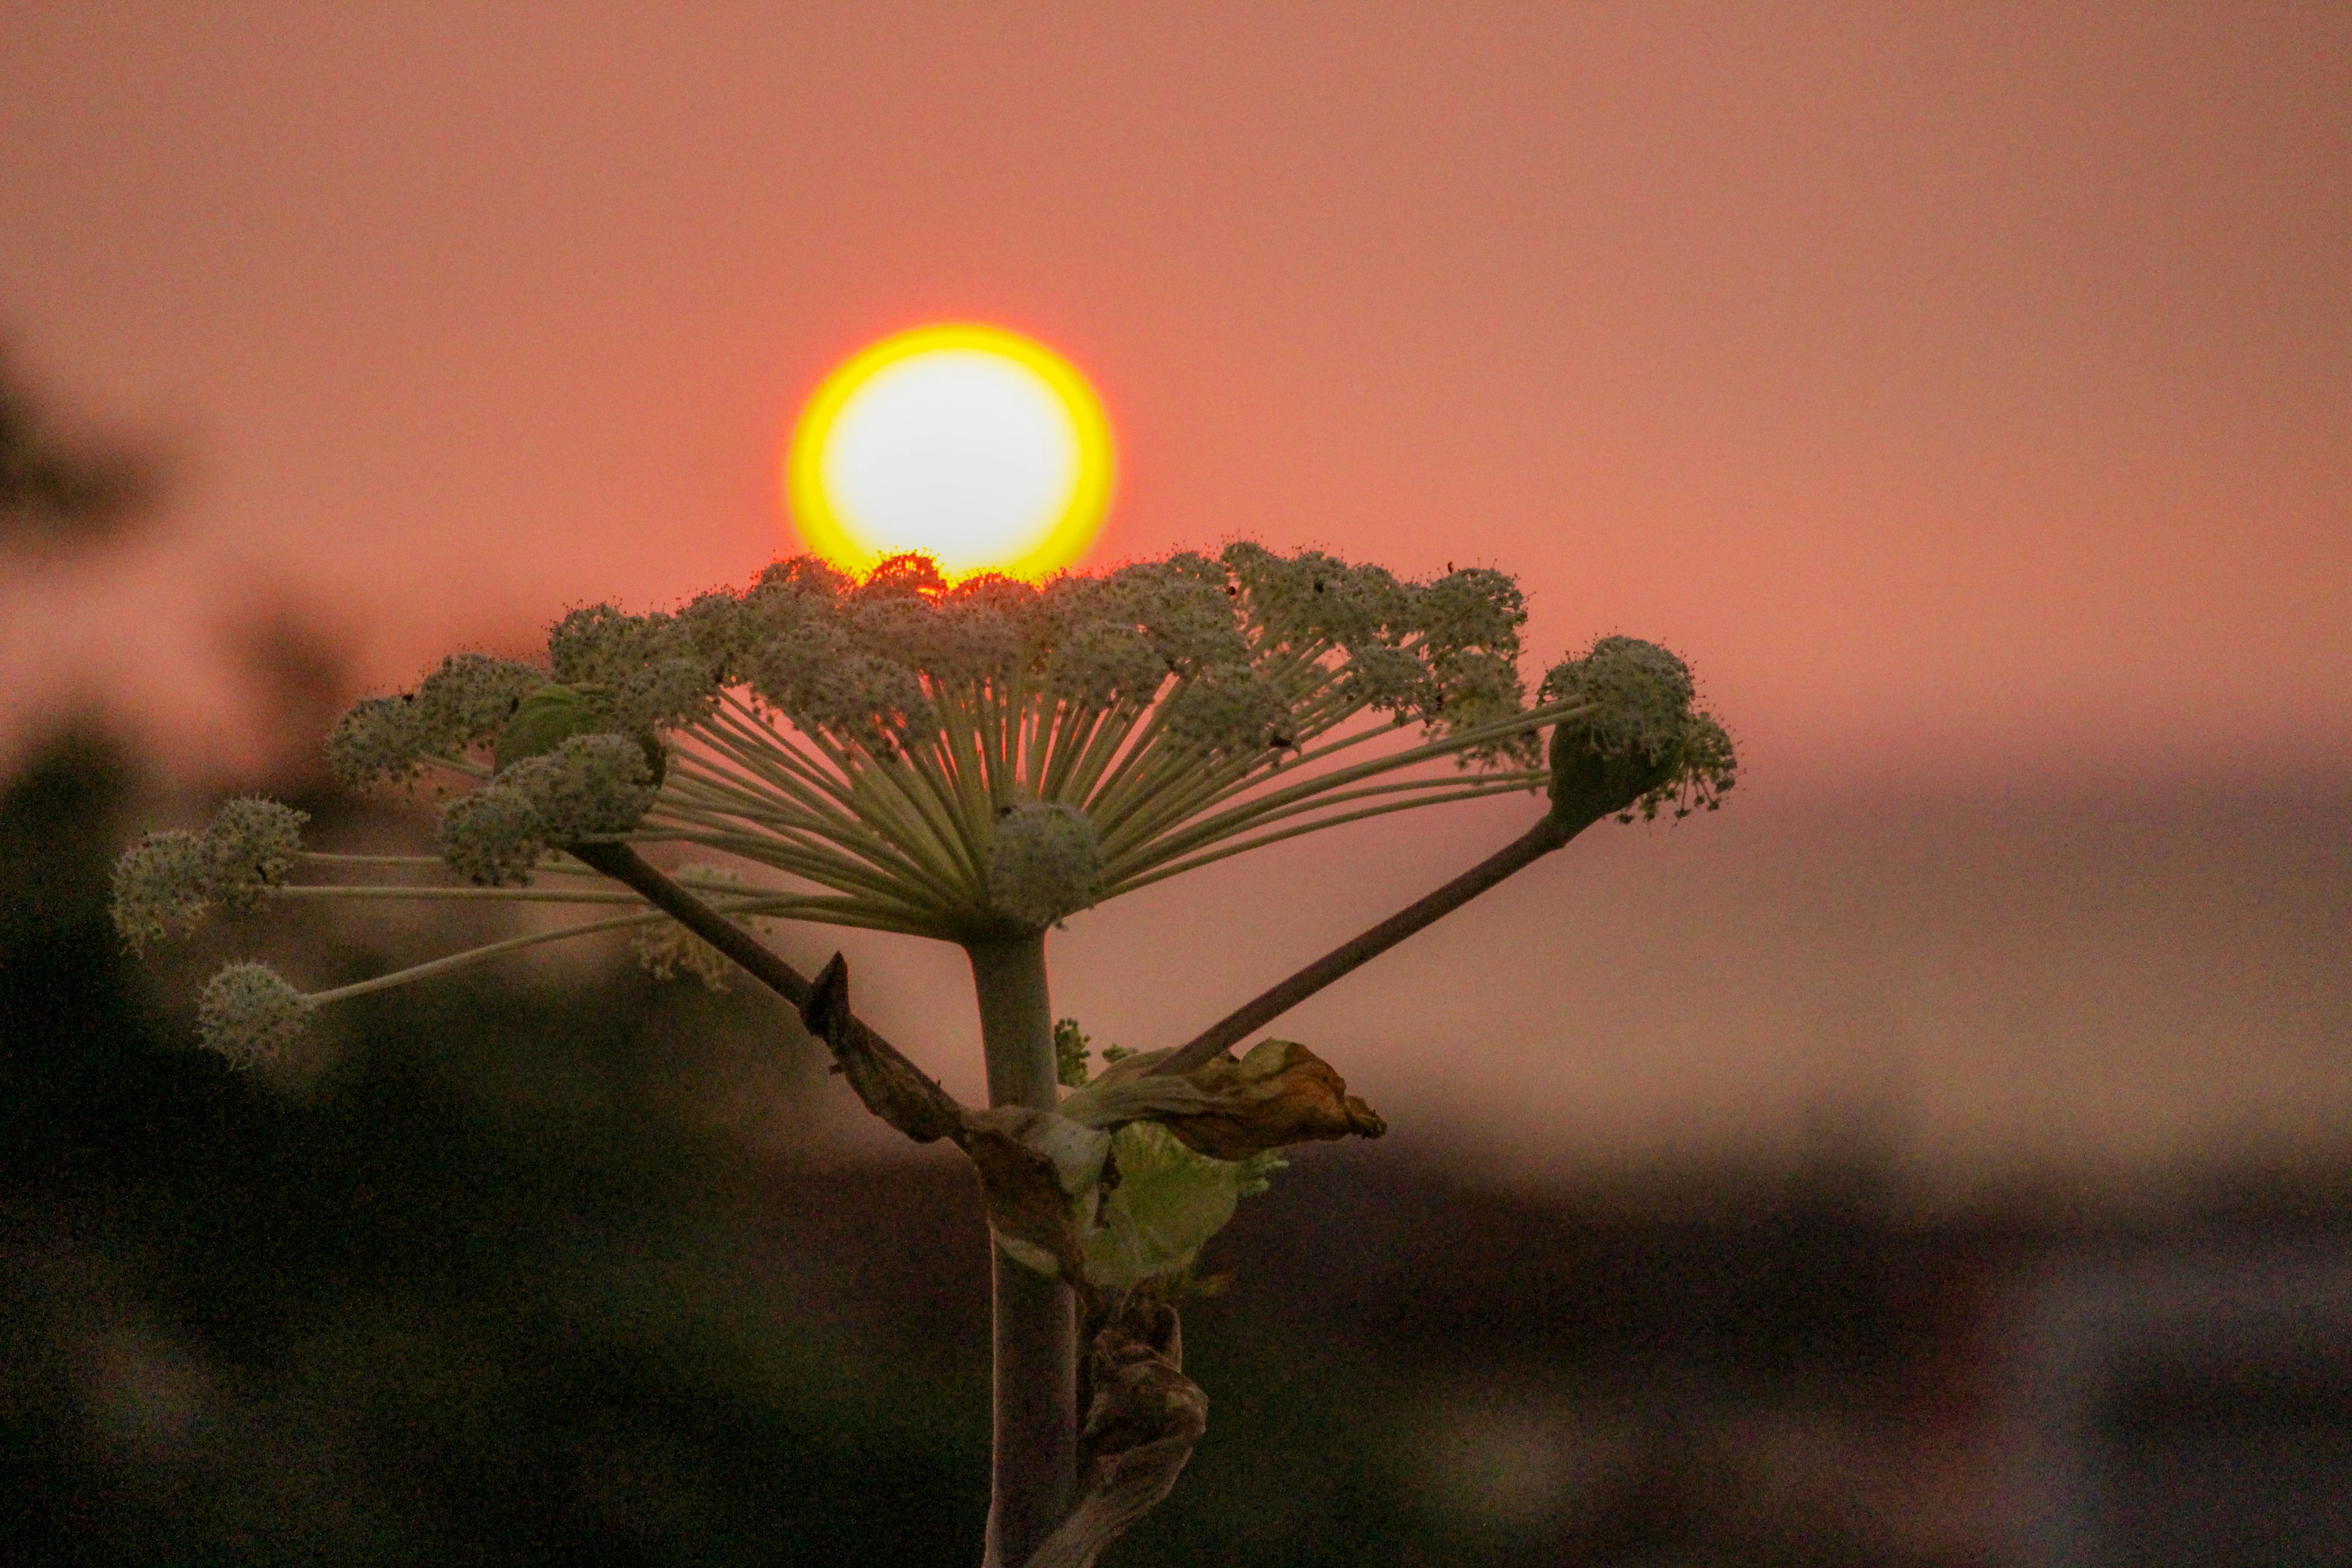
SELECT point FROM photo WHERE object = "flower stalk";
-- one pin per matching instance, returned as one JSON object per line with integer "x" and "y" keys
{"x": 977, "y": 762}
{"x": 1033, "y": 1330}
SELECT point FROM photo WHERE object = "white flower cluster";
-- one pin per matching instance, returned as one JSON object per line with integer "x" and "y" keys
{"x": 1044, "y": 863}
{"x": 467, "y": 701}
{"x": 251, "y": 1016}
{"x": 590, "y": 786}
{"x": 166, "y": 883}
{"x": 1636, "y": 732}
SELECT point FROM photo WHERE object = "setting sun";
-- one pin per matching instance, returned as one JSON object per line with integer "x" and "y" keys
{"x": 977, "y": 446}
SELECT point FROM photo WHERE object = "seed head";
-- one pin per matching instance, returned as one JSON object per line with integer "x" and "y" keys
{"x": 251, "y": 1016}
{"x": 1044, "y": 864}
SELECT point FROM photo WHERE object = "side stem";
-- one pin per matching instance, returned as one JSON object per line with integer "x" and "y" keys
{"x": 892, "y": 1086}
{"x": 1034, "y": 1475}
{"x": 634, "y": 871}
{"x": 1529, "y": 847}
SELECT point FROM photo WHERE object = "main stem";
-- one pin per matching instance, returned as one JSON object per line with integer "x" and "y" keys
{"x": 1035, "y": 1475}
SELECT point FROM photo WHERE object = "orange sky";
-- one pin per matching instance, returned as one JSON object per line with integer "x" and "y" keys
{"x": 1967, "y": 389}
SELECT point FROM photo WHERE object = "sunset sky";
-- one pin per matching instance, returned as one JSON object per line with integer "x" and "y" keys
{"x": 1967, "y": 390}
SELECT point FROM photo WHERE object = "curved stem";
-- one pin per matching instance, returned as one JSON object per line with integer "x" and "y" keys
{"x": 1034, "y": 1475}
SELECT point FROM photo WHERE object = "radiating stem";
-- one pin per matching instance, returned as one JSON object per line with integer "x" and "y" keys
{"x": 474, "y": 955}
{"x": 1548, "y": 834}
{"x": 1036, "y": 1428}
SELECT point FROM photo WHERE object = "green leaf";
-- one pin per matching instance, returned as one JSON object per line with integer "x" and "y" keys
{"x": 1168, "y": 1203}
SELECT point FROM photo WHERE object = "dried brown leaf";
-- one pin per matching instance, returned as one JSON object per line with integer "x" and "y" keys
{"x": 1280, "y": 1093}
{"x": 1027, "y": 1189}
{"x": 1142, "y": 1421}
{"x": 891, "y": 1087}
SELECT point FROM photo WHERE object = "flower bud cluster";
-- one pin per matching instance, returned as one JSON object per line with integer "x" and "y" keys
{"x": 465, "y": 702}
{"x": 1639, "y": 725}
{"x": 1120, "y": 637}
{"x": 162, "y": 887}
{"x": 1044, "y": 864}
{"x": 254, "y": 843}
{"x": 871, "y": 662}
{"x": 1443, "y": 653}
{"x": 249, "y": 1013}
{"x": 649, "y": 673}
{"x": 166, "y": 883}
{"x": 1233, "y": 708}
{"x": 591, "y": 786}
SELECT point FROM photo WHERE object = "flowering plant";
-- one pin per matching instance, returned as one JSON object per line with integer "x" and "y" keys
{"x": 975, "y": 763}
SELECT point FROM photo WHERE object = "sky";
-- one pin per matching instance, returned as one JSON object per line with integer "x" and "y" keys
{"x": 1967, "y": 390}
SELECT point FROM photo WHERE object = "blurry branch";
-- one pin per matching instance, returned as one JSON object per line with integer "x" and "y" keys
{"x": 53, "y": 490}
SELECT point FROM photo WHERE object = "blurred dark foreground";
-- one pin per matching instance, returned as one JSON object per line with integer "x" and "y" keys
{"x": 517, "y": 1276}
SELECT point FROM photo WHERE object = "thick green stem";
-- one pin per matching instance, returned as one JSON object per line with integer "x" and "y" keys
{"x": 1036, "y": 1470}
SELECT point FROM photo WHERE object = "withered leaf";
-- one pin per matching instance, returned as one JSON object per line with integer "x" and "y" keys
{"x": 1280, "y": 1093}
{"x": 891, "y": 1087}
{"x": 1031, "y": 1164}
{"x": 1142, "y": 1421}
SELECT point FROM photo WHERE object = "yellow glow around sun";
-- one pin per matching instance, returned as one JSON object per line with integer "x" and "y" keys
{"x": 979, "y": 446}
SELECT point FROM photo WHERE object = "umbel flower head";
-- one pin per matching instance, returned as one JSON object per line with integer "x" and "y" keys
{"x": 167, "y": 883}
{"x": 1634, "y": 742}
{"x": 980, "y": 759}
{"x": 250, "y": 1013}
{"x": 976, "y": 761}
{"x": 968, "y": 761}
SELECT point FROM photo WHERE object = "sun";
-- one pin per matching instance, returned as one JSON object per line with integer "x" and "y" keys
{"x": 981, "y": 448}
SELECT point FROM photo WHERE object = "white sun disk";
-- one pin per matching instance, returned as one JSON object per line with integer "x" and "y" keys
{"x": 969, "y": 456}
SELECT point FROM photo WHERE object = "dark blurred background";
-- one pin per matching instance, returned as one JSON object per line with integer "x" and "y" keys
{"x": 1943, "y": 1156}
{"x": 575, "y": 1266}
